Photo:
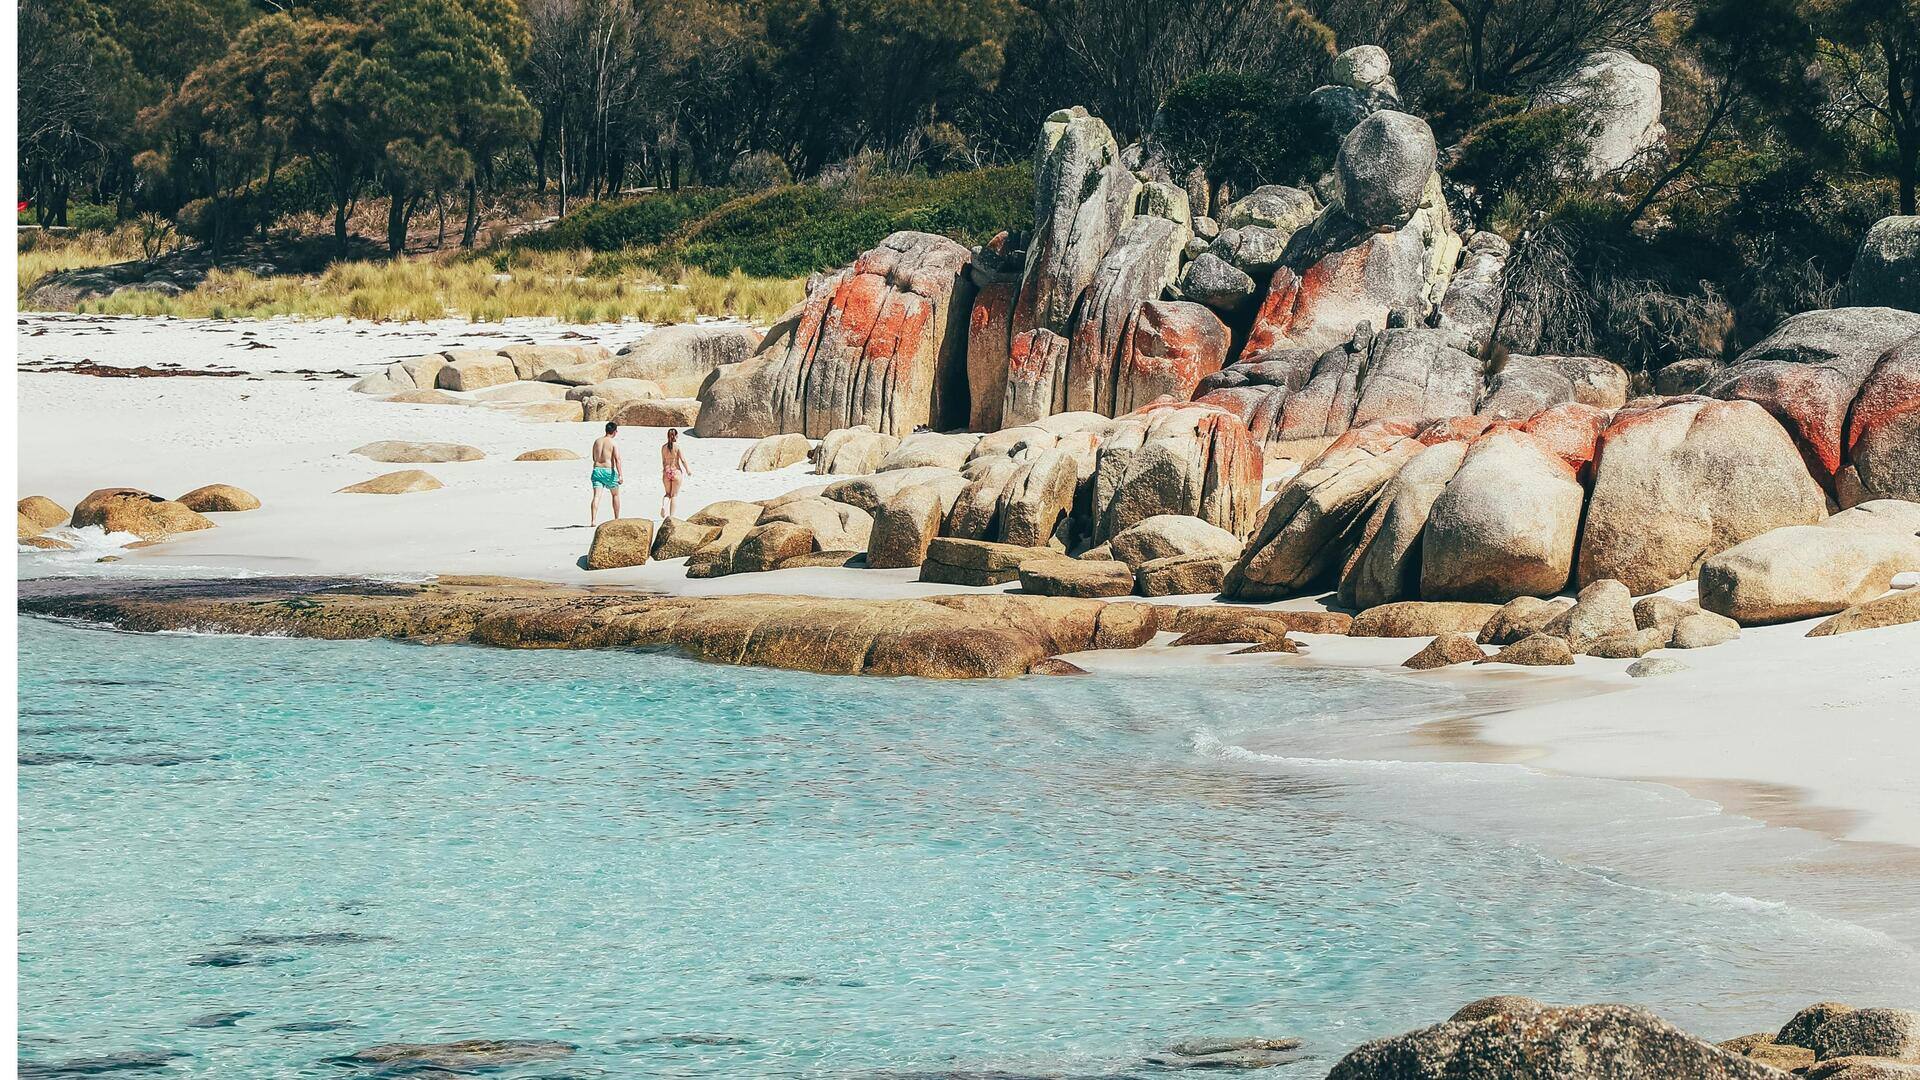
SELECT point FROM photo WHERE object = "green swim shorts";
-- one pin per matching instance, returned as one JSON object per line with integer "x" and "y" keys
{"x": 606, "y": 478}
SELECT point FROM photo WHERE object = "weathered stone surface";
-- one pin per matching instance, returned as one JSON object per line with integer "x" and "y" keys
{"x": 403, "y": 482}
{"x": 1037, "y": 499}
{"x": 1883, "y": 428}
{"x": 1383, "y": 168}
{"x": 678, "y": 538}
{"x": 1143, "y": 261}
{"x": 1176, "y": 458}
{"x": 1618, "y": 98}
{"x": 1180, "y": 575}
{"x": 1446, "y": 650}
{"x": 1884, "y": 1033}
{"x": 1630, "y": 645}
{"x": 130, "y": 510}
{"x": 1801, "y": 571}
{"x": 1895, "y": 610}
{"x": 1505, "y": 526}
{"x": 46, "y": 543}
{"x": 1170, "y": 346}
{"x": 1230, "y": 1052}
{"x": 218, "y": 499}
{"x": 775, "y": 452}
{"x": 678, "y": 359}
{"x": 472, "y": 369}
{"x": 1036, "y": 376}
{"x": 1075, "y": 577}
{"x": 1165, "y": 536}
{"x": 855, "y": 451}
{"x": 619, "y": 543}
{"x": 550, "y": 453}
{"x": 1686, "y": 376}
{"x": 1534, "y": 650}
{"x": 976, "y": 512}
{"x": 1335, "y": 277}
{"x": 1083, "y": 197}
{"x": 603, "y": 401}
{"x": 1475, "y": 294}
{"x": 400, "y": 452}
{"x": 1217, "y": 283}
{"x": 1809, "y": 370}
{"x": 930, "y": 449}
{"x": 680, "y": 413}
{"x": 1602, "y": 609}
{"x": 1862, "y": 1068}
{"x": 392, "y": 379}
{"x": 39, "y": 513}
{"x": 880, "y": 343}
{"x": 868, "y": 492}
{"x": 1524, "y": 387}
{"x": 1252, "y": 249}
{"x": 1419, "y": 618}
{"x": 835, "y": 525}
{"x": 953, "y": 561}
{"x": 1886, "y": 269}
{"x": 1313, "y": 525}
{"x": 771, "y": 543}
{"x": 1572, "y": 432}
{"x": 728, "y": 513}
{"x": 1386, "y": 564}
{"x": 1587, "y": 1042}
{"x": 1497, "y": 1005}
{"x": 1417, "y": 373}
{"x": 1271, "y": 206}
{"x": 903, "y": 525}
{"x": 1521, "y": 617}
{"x": 1702, "y": 630}
{"x": 1654, "y": 666}
{"x": 989, "y": 338}
{"x": 1678, "y": 483}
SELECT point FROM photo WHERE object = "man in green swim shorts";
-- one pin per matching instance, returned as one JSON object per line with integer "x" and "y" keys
{"x": 606, "y": 473}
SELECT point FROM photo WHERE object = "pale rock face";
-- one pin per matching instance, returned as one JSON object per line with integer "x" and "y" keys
{"x": 1175, "y": 458}
{"x": 1505, "y": 526}
{"x": 1166, "y": 536}
{"x": 1383, "y": 169}
{"x": 1886, "y": 270}
{"x": 1083, "y": 196}
{"x": 678, "y": 359}
{"x": 1676, "y": 484}
{"x": 1142, "y": 262}
{"x": 1209, "y": 279}
{"x": 1274, "y": 206}
{"x": 1620, "y": 98}
{"x": 1798, "y": 572}
{"x": 1386, "y": 567}
{"x": 1364, "y": 67}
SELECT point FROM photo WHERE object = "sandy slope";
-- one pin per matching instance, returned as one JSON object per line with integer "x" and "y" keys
{"x": 1831, "y": 721}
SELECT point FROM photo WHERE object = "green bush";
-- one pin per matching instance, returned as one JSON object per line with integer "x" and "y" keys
{"x": 91, "y": 216}
{"x": 616, "y": 225}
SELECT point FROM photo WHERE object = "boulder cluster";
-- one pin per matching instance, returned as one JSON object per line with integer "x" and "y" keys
{"x": 1134, "y": 358}
{"x": 150, "y": 517}
{"x": 652, "y": 383}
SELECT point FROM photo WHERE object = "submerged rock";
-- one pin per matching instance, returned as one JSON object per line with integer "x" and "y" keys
{"x": 462, "y": 1056}
{"x": 125, "y": 1061}
{"x": 1227, "y": 1052}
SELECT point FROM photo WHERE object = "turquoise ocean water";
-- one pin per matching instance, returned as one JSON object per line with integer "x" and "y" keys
{"x": 355, "y": 843}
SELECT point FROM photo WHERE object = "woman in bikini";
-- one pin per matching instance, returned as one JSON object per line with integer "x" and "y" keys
{"x": 673, "y": 466}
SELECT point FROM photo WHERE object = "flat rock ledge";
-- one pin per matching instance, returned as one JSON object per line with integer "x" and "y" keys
{"x": 940, "y": 637}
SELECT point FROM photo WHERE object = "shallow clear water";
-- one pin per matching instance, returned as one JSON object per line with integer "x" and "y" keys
{"x": 840, "y": 876}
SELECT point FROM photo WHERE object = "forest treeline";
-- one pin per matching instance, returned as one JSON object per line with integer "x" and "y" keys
{"x": 1791, "y": 124}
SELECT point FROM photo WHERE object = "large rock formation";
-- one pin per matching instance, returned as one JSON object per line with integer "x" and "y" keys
{"x": 678, "y": 359}
{"x": 1883, "y": 430}
{"x": 1176, "y": 458}
{"x": 1809, "y": 370}
{"x": 1619, "y": 98}
{"x": 1169, "y": 347}
{"x": 1797, "y": 572}
{"x": 1506, "y": 524}
{"x": 1676, "y": 483}
{"x": 1886, "y": 269}
{"x": 880, "y": 343}
{"x": 1142, "y": 262}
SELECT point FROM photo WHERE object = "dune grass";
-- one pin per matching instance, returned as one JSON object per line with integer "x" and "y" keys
{"x": 550, "y": 284}
{"x": 43, "y": 253}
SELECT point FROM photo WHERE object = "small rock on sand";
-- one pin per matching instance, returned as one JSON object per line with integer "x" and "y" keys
{"x": 129, "y": 510}
{"x": 40, "y": 512}
{"x": 1648, "y": 667}
{"x": 1053, "y": 665}
{"x": 551, "y": 453}
{"x": 401, "y": 452}
{"x": 1534, "y": 650}
{"x": 219, "y": 499}
{"x": 1445, "y": 650}
{"x": 404, "y": 482}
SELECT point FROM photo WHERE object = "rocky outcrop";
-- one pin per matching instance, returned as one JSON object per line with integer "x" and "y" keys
{"x": 1677, "y": 483}
{"x": 1386, "y": 565}
{"x": 1416, "y": 618}
{"x": 1383, "y": 169}
{"x": 219, "y": 499}
{"x": 1037, "y": 499}
{"x": 1801, "y": 571}
{"x": 881, "y": 344}
{"x": 1618, "y": 98}
{"x": 1883, "y": 430}
{"x": 955, "y": 561}
{"x": 855, "y": 451}
{"x": 37, "y": 514}
{"x": 1168, "y": 348}
{"x": 678, "y": 359}
{"x": 989, "y": 337}
{"x": 1809, "y": 370}
{"x": 1083, "y": 197}
{"x": 1142, "y": 262}
{"x": 1417, "y": 373}
{"x": 1505, "y": 526}
{"x": 620, "y": 543}
{"x": 776, "y": 452}
{"x": 1886, "y": 269}
{"x": 835, "y": 526}
{"x": 1175, "y": 458}
{"x": 678, "y": 538}
{"x": 1362, "y": 85}
{"x": 473, "y": 369}
{"x": 130, "y": 510}
{"x": 1475, "y": 295}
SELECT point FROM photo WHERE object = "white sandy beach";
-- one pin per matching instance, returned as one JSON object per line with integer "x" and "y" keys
{"x": 1829, "y": 719}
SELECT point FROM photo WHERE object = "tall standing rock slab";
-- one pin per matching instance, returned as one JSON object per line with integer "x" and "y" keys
{"x": 1809, "y": 370}
{"x": 1505, "y": 526}
{"x": 1417, "y": 373}
{"x": 1386, "y": 566}
{"x": 1141, "y": 263}
{"x": 881, "y": 343}
{"x": 989, "y": 339}
{"x": 1170, "y": 345}
{"x": 1082, "y": 198}
{"x": 1678, "y": 483}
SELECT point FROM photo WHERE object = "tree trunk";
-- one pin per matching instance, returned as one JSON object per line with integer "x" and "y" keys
{"x": 397, "y": 209}
{"x": 563, "y": 167}
{"x": 472, "y": 229}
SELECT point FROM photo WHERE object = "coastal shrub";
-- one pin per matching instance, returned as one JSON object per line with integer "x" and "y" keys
{"x": 614, "y": 225}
